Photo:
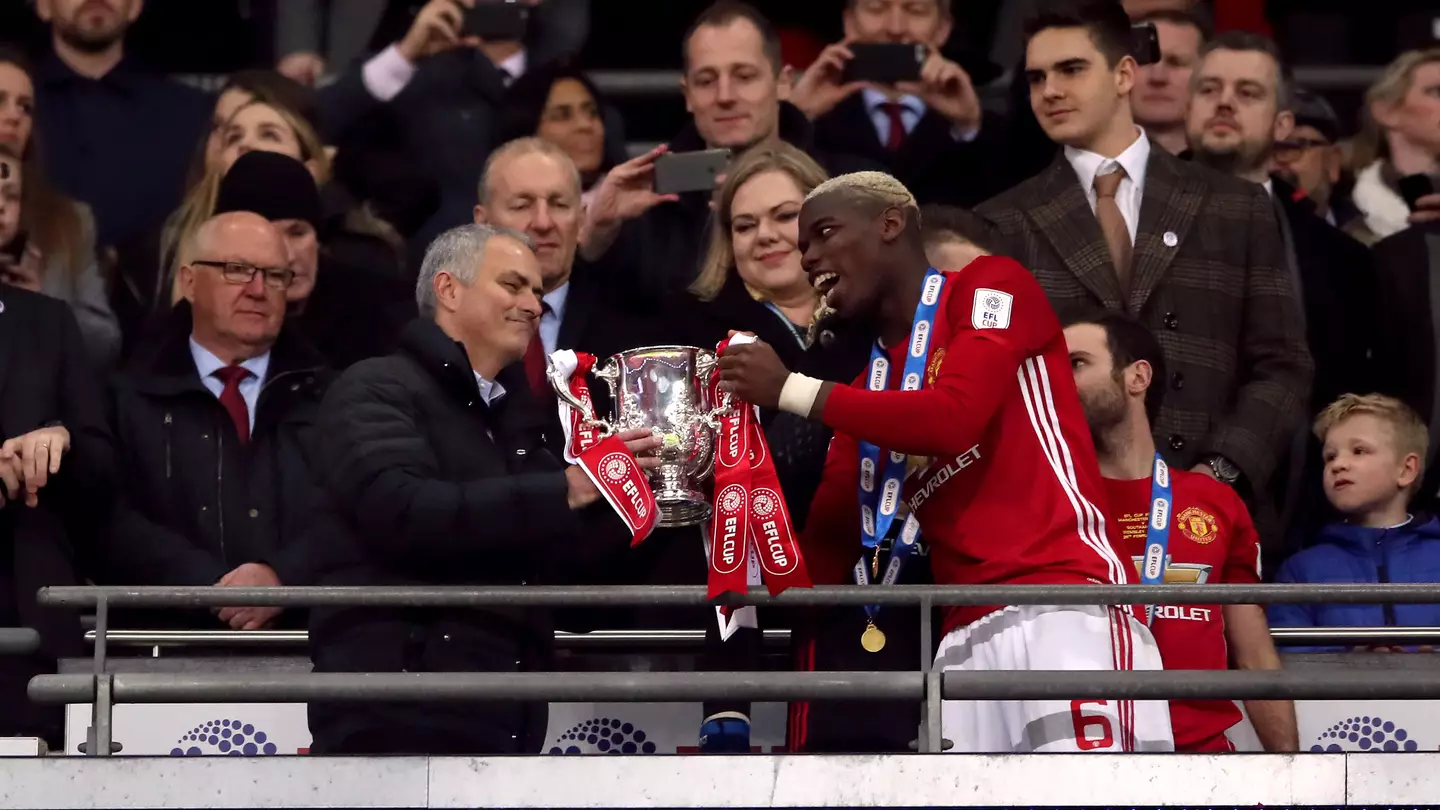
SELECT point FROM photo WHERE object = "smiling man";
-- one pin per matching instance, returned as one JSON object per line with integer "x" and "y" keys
{"x": 967, "y": 414}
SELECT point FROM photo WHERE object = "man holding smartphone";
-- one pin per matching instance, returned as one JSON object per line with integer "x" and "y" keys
{"x": 886, "y": 92}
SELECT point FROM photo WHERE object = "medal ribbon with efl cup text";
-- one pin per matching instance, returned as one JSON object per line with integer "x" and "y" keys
{"x": 606, "y": 461}
{"x": 879, "y": 503}
{"x": 1157, "y": 532}
{"x": 750, "y": 513}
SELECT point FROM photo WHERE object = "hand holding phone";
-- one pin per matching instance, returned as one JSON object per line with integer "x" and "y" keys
{"x": 884, "y": 62}
{"x": 824, "y": 83}
{"x": 497, "y": 20}
{"x": 682, "y": 172}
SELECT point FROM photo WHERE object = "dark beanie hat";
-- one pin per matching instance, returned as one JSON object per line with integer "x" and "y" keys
{"x": 270, "y": 184}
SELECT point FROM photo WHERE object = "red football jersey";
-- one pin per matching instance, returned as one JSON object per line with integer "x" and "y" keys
{"x": 1212, "y": 540}
{"x": 1005, "y": 482}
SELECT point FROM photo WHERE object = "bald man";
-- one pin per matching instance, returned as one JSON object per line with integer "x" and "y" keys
{"x": 212, "y": 420}
{"x": 967, "y": 429}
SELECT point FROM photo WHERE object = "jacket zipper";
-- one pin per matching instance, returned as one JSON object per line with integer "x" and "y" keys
{"x": 1383, "y": 574}
{"x": 169, "y": 429}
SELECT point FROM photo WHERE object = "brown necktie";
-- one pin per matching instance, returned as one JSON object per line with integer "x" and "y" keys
{"x": 1112, "y": 223}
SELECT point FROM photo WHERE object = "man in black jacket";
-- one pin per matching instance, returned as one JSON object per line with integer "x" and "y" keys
{"x": 735, "y": 86}
{"x": 212, "y": 419}
{"x": 56, "y": 475}
{"x": 435, "y": 472}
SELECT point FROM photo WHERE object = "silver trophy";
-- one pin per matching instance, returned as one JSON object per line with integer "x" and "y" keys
{"x": 664, "y": 389}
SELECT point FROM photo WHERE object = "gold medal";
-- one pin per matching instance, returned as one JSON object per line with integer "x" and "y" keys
{"x": 873, "y": 639}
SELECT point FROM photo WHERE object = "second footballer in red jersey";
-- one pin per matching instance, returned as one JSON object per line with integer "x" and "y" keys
{"x": 969, "y": 402}
{"x": 1211, "y": 538}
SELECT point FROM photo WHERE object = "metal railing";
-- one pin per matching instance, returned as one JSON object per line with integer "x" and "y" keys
{"x": 691, "y": 639}
{"x": 18, "y": 641}
{"x": 103, "y": 689}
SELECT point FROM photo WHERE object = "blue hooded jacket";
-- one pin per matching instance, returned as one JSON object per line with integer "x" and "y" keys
{"x": 1345, "y": 553}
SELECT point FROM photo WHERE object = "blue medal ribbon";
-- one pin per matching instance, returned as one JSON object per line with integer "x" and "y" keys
{"x": 1157, "y": 531}
{"x": 881, "y": 482}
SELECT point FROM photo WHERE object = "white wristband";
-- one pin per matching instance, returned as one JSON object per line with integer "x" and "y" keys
{"x": 799, "y": 394}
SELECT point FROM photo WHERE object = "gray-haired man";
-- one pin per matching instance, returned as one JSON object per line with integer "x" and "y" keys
{"x": 435, "y": 472}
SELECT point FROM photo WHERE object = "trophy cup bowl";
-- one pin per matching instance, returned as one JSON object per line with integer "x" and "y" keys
{"x": 665, "y": 389}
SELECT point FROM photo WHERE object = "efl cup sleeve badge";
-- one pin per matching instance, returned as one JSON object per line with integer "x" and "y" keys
{"x": 615, "y": 468}
{"x": 991, "y": 309}
{"x": 1198, "y": 525}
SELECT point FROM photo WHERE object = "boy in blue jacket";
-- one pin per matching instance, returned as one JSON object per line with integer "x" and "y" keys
{"x": 1374, "y": 451}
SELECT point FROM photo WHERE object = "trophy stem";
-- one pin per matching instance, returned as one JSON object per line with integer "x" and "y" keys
{"x": 680, "y": 504}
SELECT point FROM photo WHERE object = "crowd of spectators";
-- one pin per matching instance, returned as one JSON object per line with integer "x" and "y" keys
{"x": 184, "y": 275}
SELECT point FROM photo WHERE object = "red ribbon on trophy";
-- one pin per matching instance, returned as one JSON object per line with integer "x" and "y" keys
{"x": 750, "y": 513}
{"x": 603, "y": 457}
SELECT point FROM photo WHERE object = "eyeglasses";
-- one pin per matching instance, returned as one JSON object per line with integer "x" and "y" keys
{"x": 1299, "y": 145}
{"x": 276, "y": 278}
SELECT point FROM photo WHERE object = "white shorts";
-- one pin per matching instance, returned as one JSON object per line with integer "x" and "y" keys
{"x": 1036, "y": 637}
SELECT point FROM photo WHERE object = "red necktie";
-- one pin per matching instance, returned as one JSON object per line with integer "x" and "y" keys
{"x": 895, "y": 111}
{"x": 535, "y": 361}
{"x": 234, "y": 404}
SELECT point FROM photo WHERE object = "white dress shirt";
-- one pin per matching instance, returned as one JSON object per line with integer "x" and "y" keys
{"x": 206, "y": 364}
{"x": 553, "y": 316}
{"x": 386, "y": 73}
{"x": 912, "y": 109}
{"x": 490, "y": 391}
{"x": 1134, "y": 160}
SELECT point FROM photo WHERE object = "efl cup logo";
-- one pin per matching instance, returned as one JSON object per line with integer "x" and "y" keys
{"x": 931, "y": 294}
{"x": 921, "y": 339}
{"x": 1162, "y": 474}
{"x": 890, "y": 497}
{"x": 731, "y": 499}
{"x": 615, "y": 468}
{"x": 1159, "y": 514}
{"x": 1154, "y": 561}
{"x": 727, "y": 550}
{"x": 912, "y": 381}
{"x": 993, "y": 302}
{"x": 763, "y": 504}
{"x": 879, "y": 374}
{"x": 867, "y": 475}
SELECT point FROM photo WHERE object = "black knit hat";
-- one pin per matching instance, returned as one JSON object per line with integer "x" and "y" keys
{"x": 270, "y": 184}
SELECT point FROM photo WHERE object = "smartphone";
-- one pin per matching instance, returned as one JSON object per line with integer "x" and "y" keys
{"x": 1145, "y": 43}
{"x": 496, "y": 20}
{"x": 884, "y": 63}
{"x": 16, "y": 248}
{"x": 680, "y": 172}
{"x": 1415, "y": 186}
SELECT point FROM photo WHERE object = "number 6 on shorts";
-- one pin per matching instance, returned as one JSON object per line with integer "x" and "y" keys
{"x": 1082, "y": 722}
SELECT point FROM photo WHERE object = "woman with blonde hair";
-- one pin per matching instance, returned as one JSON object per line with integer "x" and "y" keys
{"x": 1400, "y": 136}
{"x": 751, "y": 278}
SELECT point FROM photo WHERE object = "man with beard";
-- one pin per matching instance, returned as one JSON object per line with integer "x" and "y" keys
{"x": 116, "y": 136}
{"x": 1239, "y": 111}
{"x": 1115, "y": 223}
{"x": 979, "y": 431}
{"x": 1208, "y": 537}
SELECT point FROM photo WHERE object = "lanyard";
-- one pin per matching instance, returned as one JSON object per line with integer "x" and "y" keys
{"x": 878, "y": 504}
{"x": 1157, "y": 531}
{"x": 789, "y": 324}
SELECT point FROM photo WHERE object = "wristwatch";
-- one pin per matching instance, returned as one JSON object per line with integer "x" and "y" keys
{"x": 1225, "y": 470}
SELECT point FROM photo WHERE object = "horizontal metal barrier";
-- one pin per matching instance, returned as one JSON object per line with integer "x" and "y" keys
{"x": 18, "y": 641}
{"x": 686, "y": 687}
{"x": 687, "y": 595}
{"x": 607, "y": 639}
{"x": 615, "y": 687}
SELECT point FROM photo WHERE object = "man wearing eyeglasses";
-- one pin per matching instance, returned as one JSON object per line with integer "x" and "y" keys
{"x": 212, "y": 420}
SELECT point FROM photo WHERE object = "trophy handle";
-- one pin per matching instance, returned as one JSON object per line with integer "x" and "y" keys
{"x": 608, "y": 372}
{"x": 586, "y": 410}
